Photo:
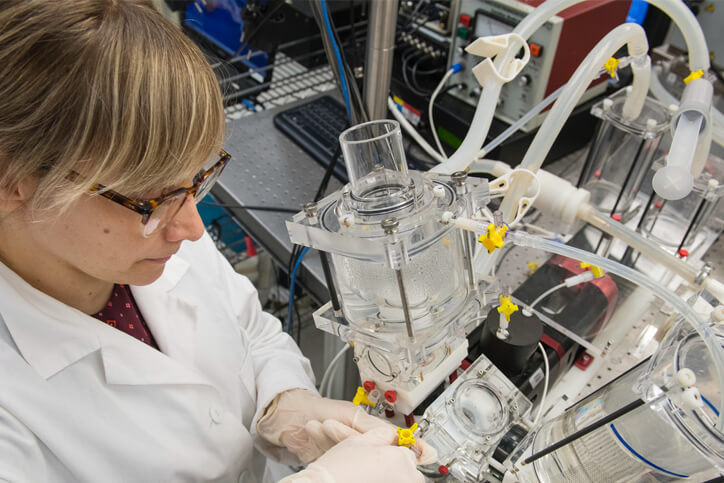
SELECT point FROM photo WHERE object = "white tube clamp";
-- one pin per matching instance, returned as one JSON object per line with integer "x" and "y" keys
{"x": 524, "y": 177}
{"x": 490, "y": 47}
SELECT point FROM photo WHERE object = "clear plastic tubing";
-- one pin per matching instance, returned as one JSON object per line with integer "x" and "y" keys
{"x": 674, "y": 181}
{"x": 520, "y": 122}
{"x": 650, "y": 249}
{"x": 627, "y": 34}
{"x": 660, "y": 92}
{"x": 635, "y": 99}
{"x": 630, "y": 34}
{"x": 676, "y": 9}
{"x": 707, "y": 336}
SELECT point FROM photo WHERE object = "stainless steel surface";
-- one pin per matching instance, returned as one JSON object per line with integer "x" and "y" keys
{"x": 270, "y": 170}
{"x": 380, "y": 50}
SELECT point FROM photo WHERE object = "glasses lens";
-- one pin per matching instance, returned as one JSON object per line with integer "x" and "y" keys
{"x": 208, "y": 183}
{"x": 163, "y": 214}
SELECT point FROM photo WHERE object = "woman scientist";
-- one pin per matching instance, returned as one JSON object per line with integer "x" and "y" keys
{"x": 130, "y": 351}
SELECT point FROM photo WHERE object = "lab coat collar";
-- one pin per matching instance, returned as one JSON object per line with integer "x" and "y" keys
{"x": 51, "y": 335}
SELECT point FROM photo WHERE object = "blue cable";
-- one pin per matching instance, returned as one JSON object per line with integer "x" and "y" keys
{"x": 338, "y": 55}
{"x": 290, "y": 314}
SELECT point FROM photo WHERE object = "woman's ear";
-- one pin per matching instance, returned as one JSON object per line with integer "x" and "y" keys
{"x": 13, "y": 197}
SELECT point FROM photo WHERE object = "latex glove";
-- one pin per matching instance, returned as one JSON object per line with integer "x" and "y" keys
{"x": 308, "y": 425}
{"x": 372, "y": 456}
{"x": 284, "y": 423}
{"x": 330, "y": 432}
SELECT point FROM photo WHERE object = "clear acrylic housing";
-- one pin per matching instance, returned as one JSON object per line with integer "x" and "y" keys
{"x": 693, "y": 222}
{"x": 374, "y": 148}
{"x": 468, "y": 420}
{"x": 402, "y": 272}
{"x": 427, "y": 254}
{"x": 663, "y": 441}
{"x": 614, "y": 184}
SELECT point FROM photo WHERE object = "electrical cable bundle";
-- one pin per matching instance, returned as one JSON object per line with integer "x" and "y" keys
{"x": 356, "y": 112}
{"x": 342, "y": 72}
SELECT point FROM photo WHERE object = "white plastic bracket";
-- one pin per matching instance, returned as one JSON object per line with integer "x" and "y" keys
{"x": 491, "y": 47}
{"x": 501, "y": 185}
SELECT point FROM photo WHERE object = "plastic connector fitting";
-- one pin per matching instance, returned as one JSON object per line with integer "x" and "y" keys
{"x": 611, "y": 66}
{"x": 361, "y": 398}
{"x": 455, "y": 68}
{"x": 507, "y": 307}
{"x": 596, "y": 271}
{"x": 697, "y": 74}
{"x": 494, "y": 237}
{"x": 391, "y": 396}
{"x": 406, "y": 436}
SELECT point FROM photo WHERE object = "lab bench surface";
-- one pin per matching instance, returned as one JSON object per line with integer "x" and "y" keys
{"x": 268, "y": 169}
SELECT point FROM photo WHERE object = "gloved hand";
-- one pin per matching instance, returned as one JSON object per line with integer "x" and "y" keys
{"x": 372, "y": 456}
{"x": 300, "y": 421}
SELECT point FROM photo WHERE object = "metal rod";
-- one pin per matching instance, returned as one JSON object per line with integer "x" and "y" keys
{"x": 283, "y": 46}
{"x": 256, "y": 70}
{"x": 380, "y": 51}
{"x": 257, "y": 88}
{"x": 390, "y": 226}
{"x": 468, "y": 258}
{"x": 693, "y": 221}
{"x": 592, "y": 427}
{"x": 626, "y": 179}
{"x": 405, "y": 306}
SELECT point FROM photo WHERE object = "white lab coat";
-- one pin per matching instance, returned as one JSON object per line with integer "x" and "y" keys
{"x": 83, "y": 401}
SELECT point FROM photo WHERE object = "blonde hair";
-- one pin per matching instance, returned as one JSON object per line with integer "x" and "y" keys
{"x": 105, "y": 87}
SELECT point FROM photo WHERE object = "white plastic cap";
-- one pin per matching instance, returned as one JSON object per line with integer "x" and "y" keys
{"x": 686, "y": 377}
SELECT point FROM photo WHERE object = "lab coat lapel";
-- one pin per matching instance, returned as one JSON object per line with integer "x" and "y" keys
{"x": 172, "y": 321}
{"x": 48, "y": 334}
{"x": 51, "y": 335}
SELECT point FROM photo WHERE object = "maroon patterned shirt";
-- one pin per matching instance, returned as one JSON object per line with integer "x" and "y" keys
{"x": 122, "y": 313}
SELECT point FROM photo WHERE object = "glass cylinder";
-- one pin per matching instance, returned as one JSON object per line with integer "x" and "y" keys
{"x": 375, "y": 160}
{"x": 622, "y": 152}
{"x": 658, "y": 441}
{"x": 434, "y": 282}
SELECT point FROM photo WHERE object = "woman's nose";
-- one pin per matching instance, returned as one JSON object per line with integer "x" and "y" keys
{"x": 187, "y": 224}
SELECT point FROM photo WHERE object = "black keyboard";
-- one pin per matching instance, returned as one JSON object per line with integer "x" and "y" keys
{"x": 315, "y": 126}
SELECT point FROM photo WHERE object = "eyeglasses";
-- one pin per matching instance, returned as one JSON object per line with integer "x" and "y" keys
{"x": 158, "y": 212}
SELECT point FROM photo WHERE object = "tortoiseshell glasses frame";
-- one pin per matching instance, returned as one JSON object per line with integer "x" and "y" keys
{"x": 157, "y": 212}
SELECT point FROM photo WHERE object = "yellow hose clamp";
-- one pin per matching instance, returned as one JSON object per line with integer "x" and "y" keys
{"x": 697, "y": 74}
{"x": 597, "y": 271}
{"x": 406, "y": 436}
{"x": 611, "y": 66}
{"x": 493, "y": 237}
{"x": 507, "y": 307}
{"x": 362, "y": 398}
